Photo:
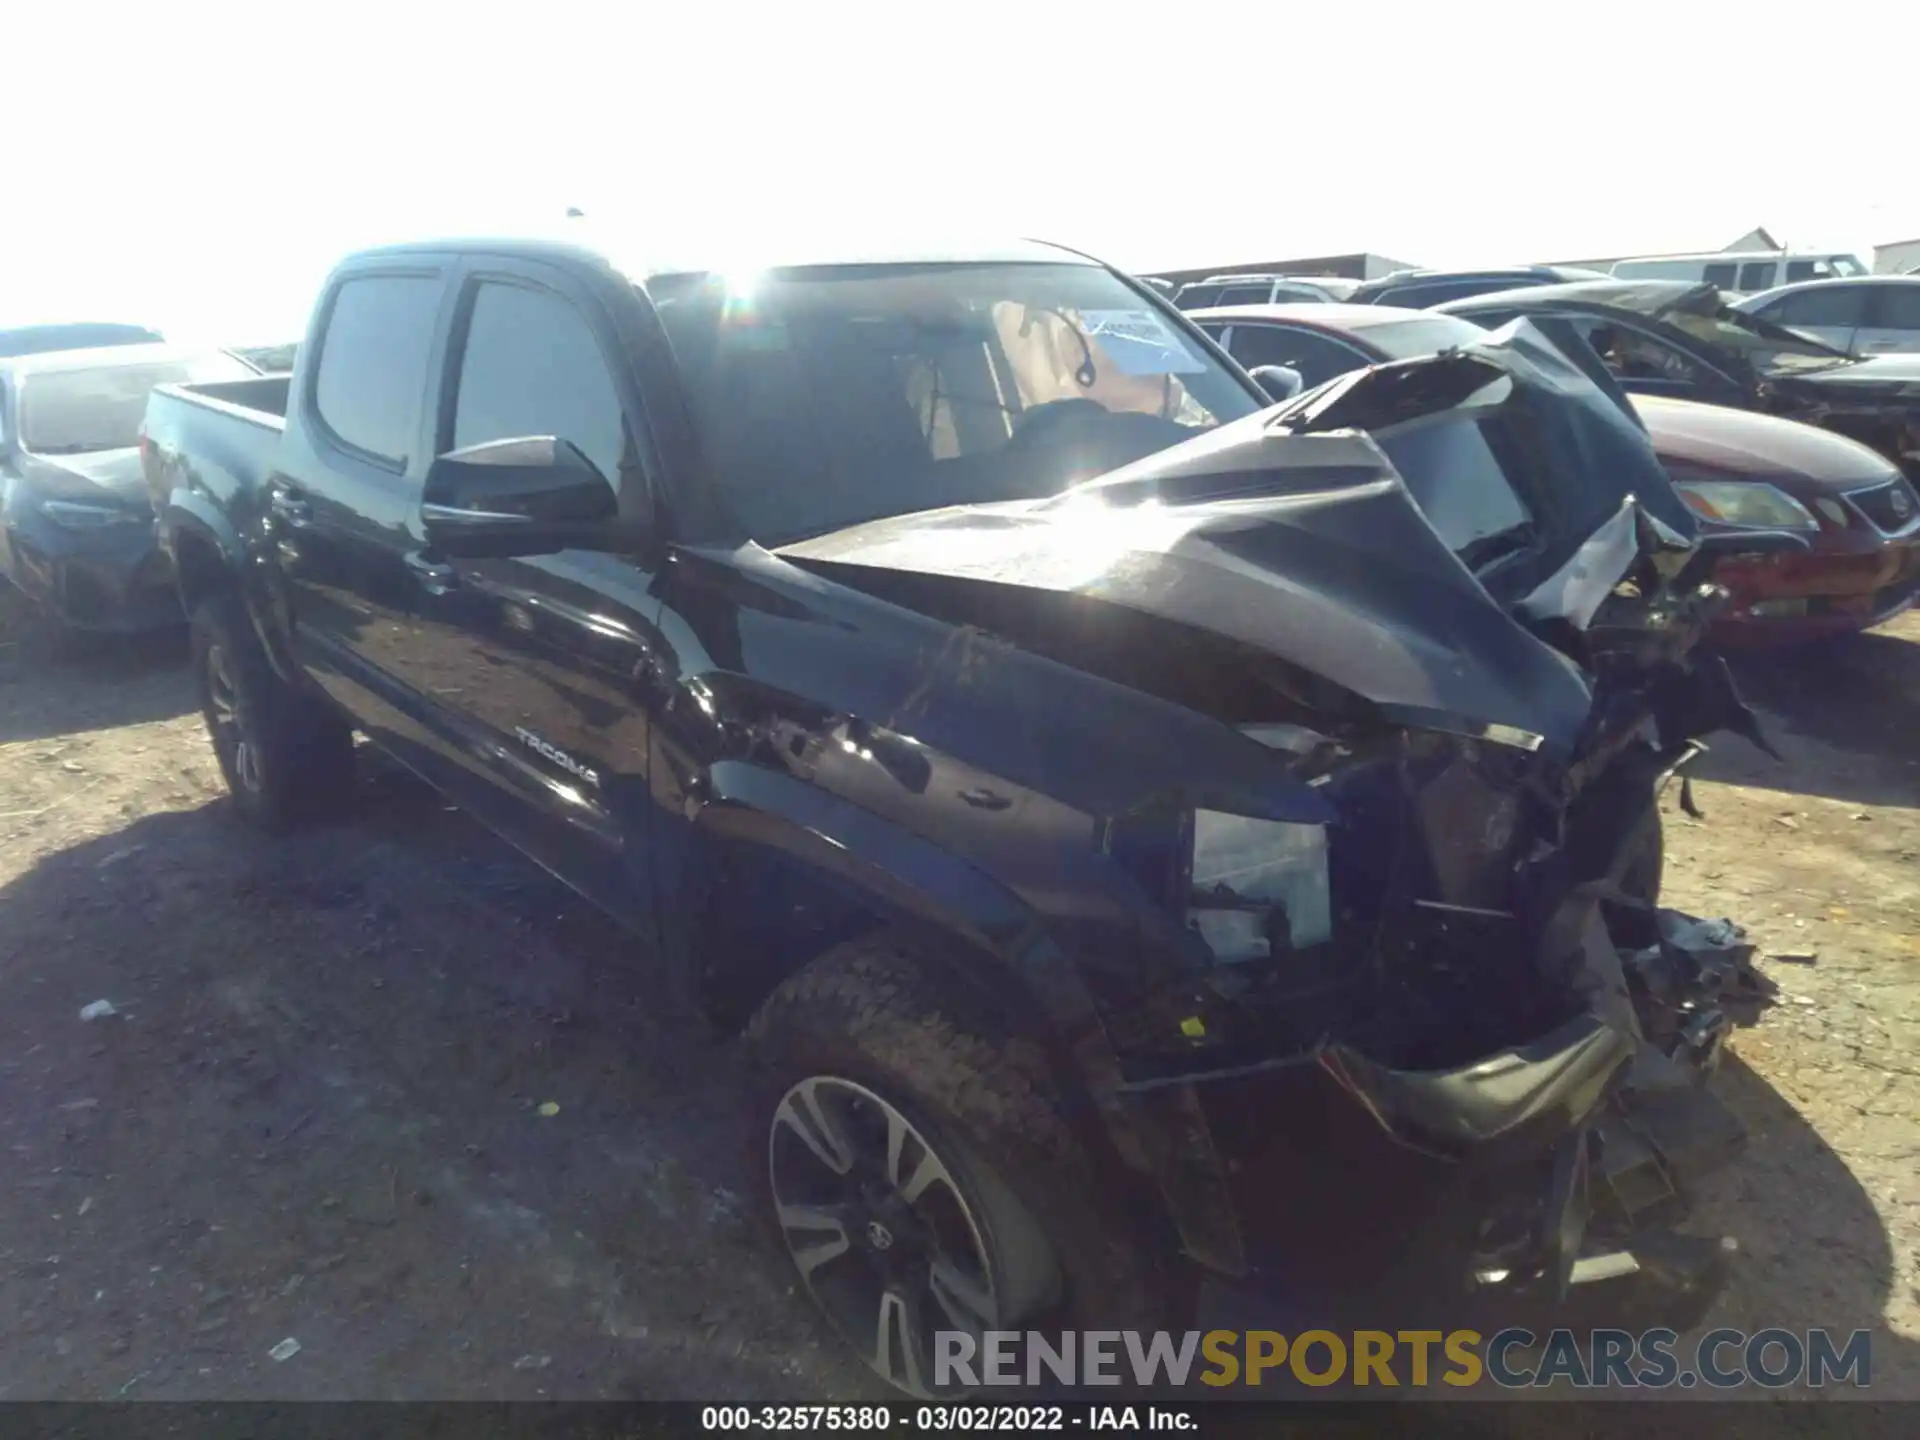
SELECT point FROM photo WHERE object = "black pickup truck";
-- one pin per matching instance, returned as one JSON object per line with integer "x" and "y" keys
{"x": 1144, "y": 832}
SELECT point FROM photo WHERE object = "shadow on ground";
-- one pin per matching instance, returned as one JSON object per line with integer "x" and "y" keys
{"x": 1815, "y": 1252}
{"x": 50, "y": 689}
{"x": 1857, "y": 701}
{"x": 387, "y": 1090}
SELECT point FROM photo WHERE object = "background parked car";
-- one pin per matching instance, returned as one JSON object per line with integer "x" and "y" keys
{"x": 1873, "y": 315}
{"x": 1262, "y": 290}
{"x": 1322, "y": 341}
{"x": 1859, "y": 515}
{"x": 270, "y": 359}
{"x": 1668, "y": 337}
{"x": 1421, "y": 288}
{"x": 76, "y": 526}
{"x": 1736, "y": 469}
{"x": 82, "y": 335}
{"x": 1740, "y": 272}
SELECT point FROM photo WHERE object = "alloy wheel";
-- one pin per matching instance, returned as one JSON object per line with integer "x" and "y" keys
{"x": 228, "y": 718}
{"x": 890, "y": 1243}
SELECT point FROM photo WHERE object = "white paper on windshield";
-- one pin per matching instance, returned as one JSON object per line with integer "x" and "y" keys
{"x": 1139, "y": 342}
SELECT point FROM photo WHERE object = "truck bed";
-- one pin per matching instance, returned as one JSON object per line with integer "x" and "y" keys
{"x": 262, "y": 399}
{"x": 218, "y": 438}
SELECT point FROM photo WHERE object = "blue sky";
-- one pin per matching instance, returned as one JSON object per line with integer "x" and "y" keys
{"x": 199, "y": 165}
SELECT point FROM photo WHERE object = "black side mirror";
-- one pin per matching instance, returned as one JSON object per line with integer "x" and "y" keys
{"x": 530, "y": 495}
{"x": 1281, "y": 382}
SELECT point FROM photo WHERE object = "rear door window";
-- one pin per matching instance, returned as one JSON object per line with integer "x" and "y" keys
{"x": 1895, "y": 307}
{"x": 1633, "y": 354}
{"x": 372, "y": 375}
{"x": 1245, "y": 295}
{"x": 1822, "y": 305}
{"x": 1721, "y": 277}
{"x": 373, "y": 363}
{"x": 1757, "y": 275}
{"x": 1197, "y": 297}
{"x": 532, "y": 366}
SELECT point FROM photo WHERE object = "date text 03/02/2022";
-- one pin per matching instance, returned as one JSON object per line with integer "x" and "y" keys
{"x": 1123, "y": 1419}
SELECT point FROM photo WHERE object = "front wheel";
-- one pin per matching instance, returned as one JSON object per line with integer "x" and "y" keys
{"x": 285, "y": 756}
{"x": 918, "y": 1167}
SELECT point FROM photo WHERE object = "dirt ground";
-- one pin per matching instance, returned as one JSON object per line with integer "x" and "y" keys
{"x": 319, "y": 1112}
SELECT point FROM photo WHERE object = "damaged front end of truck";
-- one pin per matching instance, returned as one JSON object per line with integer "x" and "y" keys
{"x": 1431, "y": 1021}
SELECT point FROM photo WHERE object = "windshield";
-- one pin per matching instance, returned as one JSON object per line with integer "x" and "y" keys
{"x": 830, "y": 396}
{"x": 69, "y": 412}
{"x": 39, "y": 339}
{"x": 1411, "y": 339}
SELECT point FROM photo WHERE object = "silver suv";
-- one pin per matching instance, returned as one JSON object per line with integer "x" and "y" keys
{"x": 1871, "y": 315}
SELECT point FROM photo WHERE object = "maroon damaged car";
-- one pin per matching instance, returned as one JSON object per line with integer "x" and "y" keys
{"x": 1738, "y": 469}
{"x": 1860, "y": 516}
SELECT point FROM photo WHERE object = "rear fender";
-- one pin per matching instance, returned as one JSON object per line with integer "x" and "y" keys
{"x": 207, "y": 555}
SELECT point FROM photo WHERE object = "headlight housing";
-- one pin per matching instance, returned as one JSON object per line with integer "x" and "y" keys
{"x": 1747, "y": 504}
{"x": 74, "y": 515}
{"x": 1258, "y": 887}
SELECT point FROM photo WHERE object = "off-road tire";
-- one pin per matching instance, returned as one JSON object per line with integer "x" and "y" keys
{"x": 875, "y": 1012}
{"x": 297, "y": 765}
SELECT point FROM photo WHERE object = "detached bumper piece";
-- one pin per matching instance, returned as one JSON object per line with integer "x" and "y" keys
{"x": 1619, "y": 1183}
{"x": 1696, "y": 984}
{"x": 1541, "y": 1181}
{"x": 1602, "y": 1251}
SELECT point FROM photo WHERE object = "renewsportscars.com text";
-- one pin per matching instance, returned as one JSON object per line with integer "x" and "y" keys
{"x": 1513, "y": 1358}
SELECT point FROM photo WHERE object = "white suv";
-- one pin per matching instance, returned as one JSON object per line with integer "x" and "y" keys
{"x": 1218, "y": 290}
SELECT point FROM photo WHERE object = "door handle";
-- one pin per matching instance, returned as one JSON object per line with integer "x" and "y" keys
{"x": 288, "y": 505}
{"x": 436, "y": 577}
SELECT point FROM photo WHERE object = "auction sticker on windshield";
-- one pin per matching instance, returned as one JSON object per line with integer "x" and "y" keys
{"x": 1139, "y": 342}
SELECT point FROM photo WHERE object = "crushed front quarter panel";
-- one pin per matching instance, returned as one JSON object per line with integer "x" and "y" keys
{"x": 1304, "y": 548}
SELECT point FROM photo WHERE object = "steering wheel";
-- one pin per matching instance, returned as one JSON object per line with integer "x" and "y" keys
{"x": 1051, "y": 415}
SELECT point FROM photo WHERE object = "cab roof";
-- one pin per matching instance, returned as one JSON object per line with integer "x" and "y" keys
{"x": 642, "y": 264}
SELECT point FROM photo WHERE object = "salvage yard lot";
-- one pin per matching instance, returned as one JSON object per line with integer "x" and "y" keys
{"x": 319, "y": 1112}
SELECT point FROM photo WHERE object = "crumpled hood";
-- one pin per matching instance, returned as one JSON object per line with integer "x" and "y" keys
{"x": 1876, "y": 370}
{"x": 1310, "y": 548}
{"x": 95, "y": 477}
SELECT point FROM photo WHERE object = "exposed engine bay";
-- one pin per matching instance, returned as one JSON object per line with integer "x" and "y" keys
{"x": 1460, "y": 603}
